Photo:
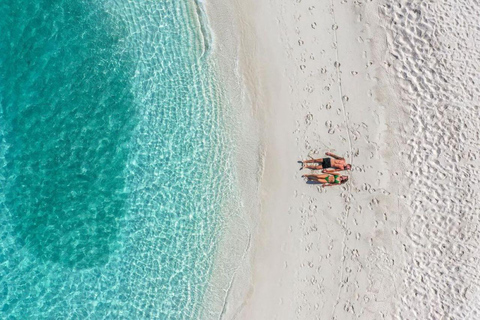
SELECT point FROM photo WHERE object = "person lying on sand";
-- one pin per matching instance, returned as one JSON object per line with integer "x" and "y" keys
{"x": 338, "y": 163}
{"x": 327, "y": 179}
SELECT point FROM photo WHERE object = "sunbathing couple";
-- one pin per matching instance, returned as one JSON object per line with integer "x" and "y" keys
{"x": 330, "y": 170}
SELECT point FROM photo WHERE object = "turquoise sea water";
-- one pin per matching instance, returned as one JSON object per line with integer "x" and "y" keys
{"x": 112, "y": 152}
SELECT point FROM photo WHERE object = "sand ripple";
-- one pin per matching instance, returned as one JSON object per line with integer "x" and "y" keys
{"x": 436, "y": 62}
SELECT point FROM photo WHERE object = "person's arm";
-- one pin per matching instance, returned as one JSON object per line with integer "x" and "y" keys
{"x": 333, "y": 155}
{"x": 326, "y": 185}
{"x": 329, "y": 170}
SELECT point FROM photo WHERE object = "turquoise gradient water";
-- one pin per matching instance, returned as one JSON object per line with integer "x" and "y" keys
{"x": 111, "y": 159}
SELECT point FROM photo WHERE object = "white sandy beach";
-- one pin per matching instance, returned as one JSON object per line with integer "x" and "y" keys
{"x": 393, "y": 88}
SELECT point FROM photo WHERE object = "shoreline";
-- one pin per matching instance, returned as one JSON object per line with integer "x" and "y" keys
{"x": 231, "y": 272}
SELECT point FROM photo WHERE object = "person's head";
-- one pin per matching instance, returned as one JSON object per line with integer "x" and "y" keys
{"x": 343, "y": 179}
{"x": 348, "y": 166}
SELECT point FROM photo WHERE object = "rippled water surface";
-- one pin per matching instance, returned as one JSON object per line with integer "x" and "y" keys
{"x": 110, "y": 173}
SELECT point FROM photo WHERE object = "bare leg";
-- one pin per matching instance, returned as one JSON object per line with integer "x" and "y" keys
{"x": 316, "y": 179}
{"x": 316, "y": 176}
{"x": 313, "y": 167}
{"x": 313, "y": 161}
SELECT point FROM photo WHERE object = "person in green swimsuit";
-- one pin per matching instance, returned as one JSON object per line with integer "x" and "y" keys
{"x": 327, "y": 179}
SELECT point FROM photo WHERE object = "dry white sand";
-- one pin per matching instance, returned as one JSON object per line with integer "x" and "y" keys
{"x": 392, "y": 86}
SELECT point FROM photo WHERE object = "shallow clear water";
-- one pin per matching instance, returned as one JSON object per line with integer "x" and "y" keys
{"x": 111, "y": 139}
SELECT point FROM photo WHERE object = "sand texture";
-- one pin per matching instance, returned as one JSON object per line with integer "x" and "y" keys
{"x": 435, "y": 59}
{"x": 393, "y": 87}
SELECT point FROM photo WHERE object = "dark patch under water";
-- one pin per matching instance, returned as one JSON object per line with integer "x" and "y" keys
{"x": 68, "y": 112}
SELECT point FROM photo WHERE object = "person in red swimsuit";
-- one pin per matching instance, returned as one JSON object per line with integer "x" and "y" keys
{"x": 337, "y": 163}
